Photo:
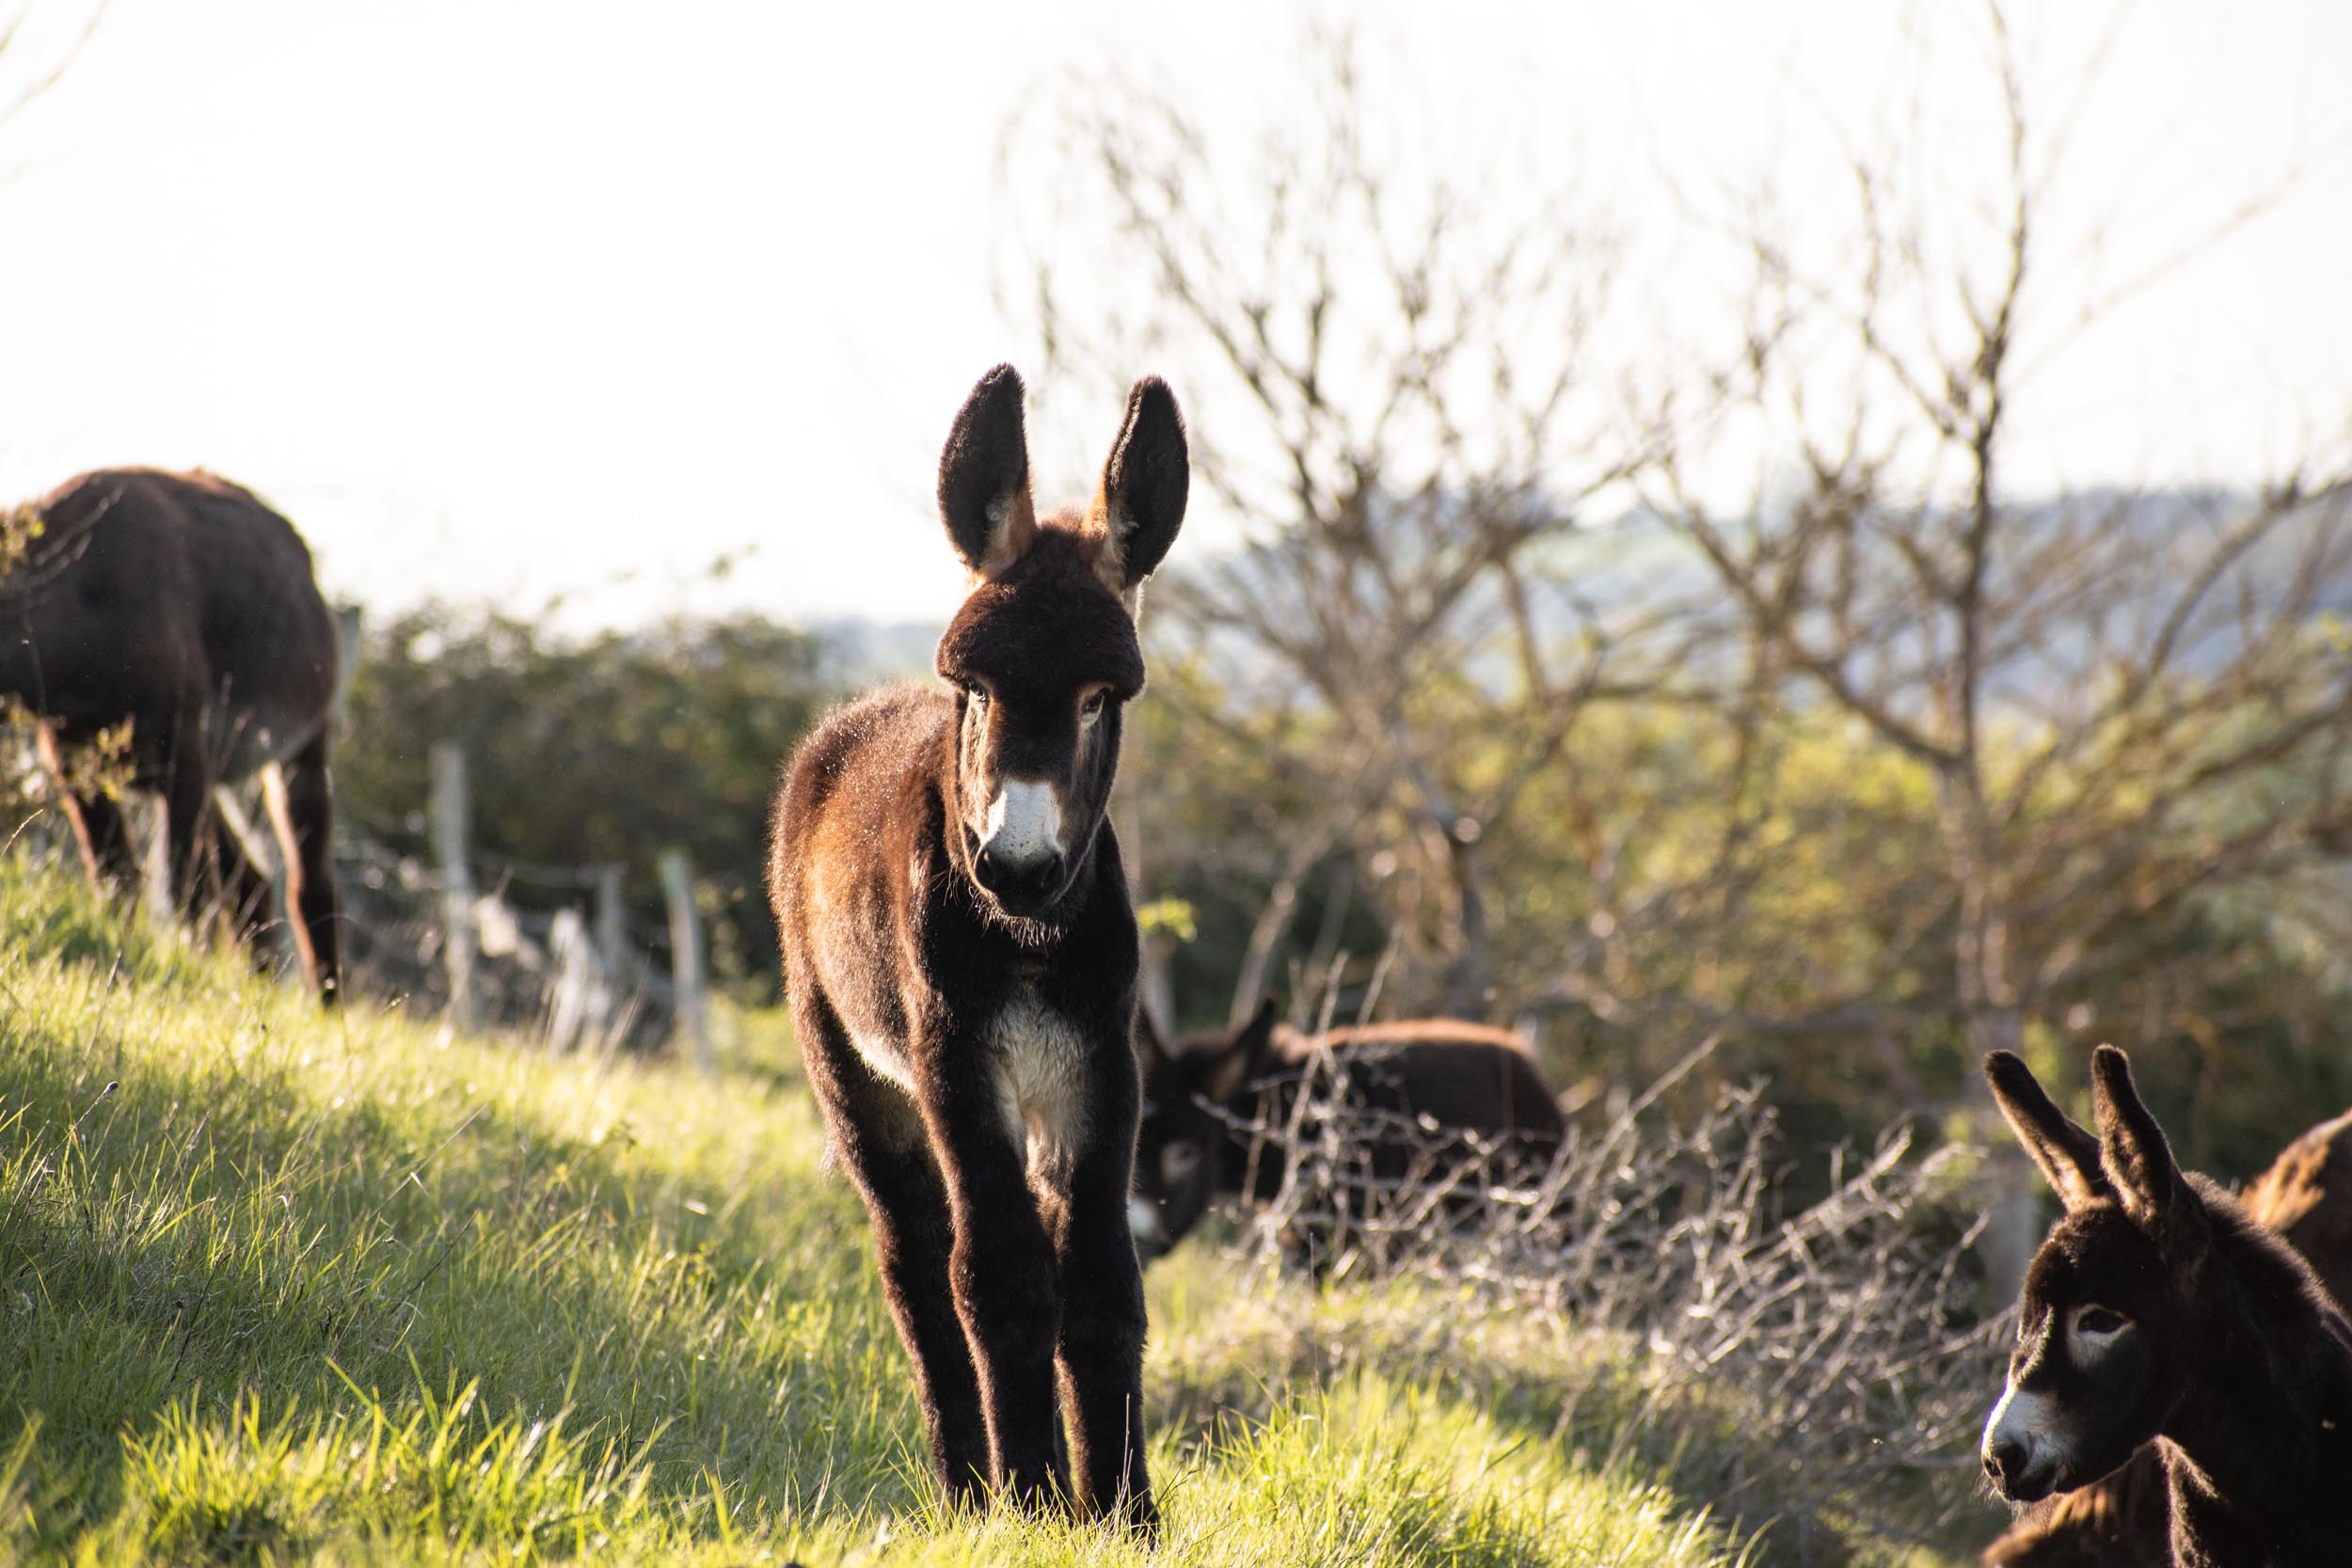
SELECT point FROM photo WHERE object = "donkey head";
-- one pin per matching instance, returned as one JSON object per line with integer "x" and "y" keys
{"x": 1045, "y": 651}
{"x": 2106, "y": 1325}
{"x": 1180, "y": 1145}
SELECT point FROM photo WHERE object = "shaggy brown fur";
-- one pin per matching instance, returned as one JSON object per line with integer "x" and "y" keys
{"x": 2306, "y": 1196}
{"x": 2159, "y": 1308}
{"x": 2124, "y": 1520}
{"x": 962, "y": 958}
{"x": 184, "y": 604}
{"x": 1450, "y": 1072}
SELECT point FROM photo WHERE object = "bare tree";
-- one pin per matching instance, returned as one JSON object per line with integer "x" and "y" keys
{"x": 1397, "y": 394}
{"x": 39, "y": 43}
{"x": 1867, "y": 766}
{"x": 2125, "y": 701}
{"x": 2094, "y": 681}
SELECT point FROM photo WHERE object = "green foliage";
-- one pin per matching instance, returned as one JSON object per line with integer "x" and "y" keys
{"x": 606, "y": 749}
{"x": 286, "y": 1286}
{"x": 1775, "y": 876}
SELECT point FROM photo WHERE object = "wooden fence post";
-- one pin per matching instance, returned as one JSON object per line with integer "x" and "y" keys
{"x": 448, "y": 806}
{"x": 612, "y": 923}
{"x": 613, "y": 957}
{"x": 572, "y": 994}
{"x": 686, "y": 957}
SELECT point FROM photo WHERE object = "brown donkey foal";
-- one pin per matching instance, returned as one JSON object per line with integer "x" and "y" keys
{"x": 182, "y": 603}
{"x": 2158, "y": 1308}
{"x": 962, "y": 958}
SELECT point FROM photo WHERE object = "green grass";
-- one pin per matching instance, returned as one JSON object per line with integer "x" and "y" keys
{"x": 277, "y": 1285}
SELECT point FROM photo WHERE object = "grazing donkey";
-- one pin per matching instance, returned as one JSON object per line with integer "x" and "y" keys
{"x": 2158, "y": 1308}
{"x": 184, "y": 604}
{"x": 962, "y": 958}
{"x": 2124, "y": 1520}
{"x": 1197, "y": 1099}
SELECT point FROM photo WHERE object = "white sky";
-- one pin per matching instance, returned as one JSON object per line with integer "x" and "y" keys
{"x": 507, "y": 299}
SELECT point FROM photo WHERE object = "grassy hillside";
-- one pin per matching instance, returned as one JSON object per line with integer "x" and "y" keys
{"x": 276, "y": 1285}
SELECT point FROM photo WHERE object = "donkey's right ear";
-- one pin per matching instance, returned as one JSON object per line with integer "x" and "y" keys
{"x": 1239, "y": 1060}
{"x": 2063, "y": 1147}
{"x": 2140, "y": 1164}
{"x": 984, "y": 477}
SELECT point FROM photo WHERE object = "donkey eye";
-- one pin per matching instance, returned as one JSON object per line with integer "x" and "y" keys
{"x": 979, "y": 694}
{"x": 2100, "y": 1321}
{"x": 1091, "y": 709}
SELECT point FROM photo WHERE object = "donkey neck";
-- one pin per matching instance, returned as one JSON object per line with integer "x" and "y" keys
{"x": 2264, "y": 1426}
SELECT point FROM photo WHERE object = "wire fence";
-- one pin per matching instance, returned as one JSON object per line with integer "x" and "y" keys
{"x": 540, "y": 967}
{"x": 550, "y": 952}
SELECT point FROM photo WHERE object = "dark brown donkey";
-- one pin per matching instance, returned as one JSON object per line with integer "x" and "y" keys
{"x": 2158, "y": 1308}
{"x": 2124, "y": 1520}
{"x": 182, "y": 604}
{"x": 961, "y": 959}
{"x": 1443, "y": 1073}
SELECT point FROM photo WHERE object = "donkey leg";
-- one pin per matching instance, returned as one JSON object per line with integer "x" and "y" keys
{"x": 1100, "y": 1351}
{"x": 99, "y": 830}
{"x": 194, "y": 848}
{"x": 302, "y": 809}
{"x": 1003, "y": 1273}
{"x": 109, "y": 859}
{"x": 914, "y": 1245}
{"x": 880, "y": 1139}
{"x": 247, "y": 900}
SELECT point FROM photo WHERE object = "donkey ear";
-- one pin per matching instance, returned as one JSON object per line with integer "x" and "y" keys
{"x": 2138, "y": 1161}
{"x": 2065, "y": 1150}
{"x": 1144, "y": 484}
{"x": 1238, "y": 1060}
{"x": 984, "y": 477}
{"x": 1150, "y": 1050}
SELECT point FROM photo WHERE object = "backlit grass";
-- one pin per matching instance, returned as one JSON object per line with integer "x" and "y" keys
{"x": 278, "y": 1285}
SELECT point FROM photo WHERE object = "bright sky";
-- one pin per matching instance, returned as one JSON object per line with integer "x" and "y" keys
{"x": 508, "y": 299}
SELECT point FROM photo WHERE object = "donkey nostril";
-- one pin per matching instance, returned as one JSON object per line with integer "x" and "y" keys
{"x": 2003, "y": 1460}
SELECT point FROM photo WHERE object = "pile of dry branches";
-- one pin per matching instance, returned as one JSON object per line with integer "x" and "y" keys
{"x": 1849, "y": 1334}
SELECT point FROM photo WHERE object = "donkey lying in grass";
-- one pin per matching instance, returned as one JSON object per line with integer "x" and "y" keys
{"x": 2124, "y": 1520}
{"x": 961, "y": 957}
{"x": 2158, "y": 1308}
{"x": 1443, "y": 1073}
{"x": 184, "y": 604}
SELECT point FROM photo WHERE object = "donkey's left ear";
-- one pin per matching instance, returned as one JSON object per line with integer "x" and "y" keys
{"x": 1144, "y": 485}
{"x": 2065, "y": 1150}
{"x": 1151, "y": 1049}
{"x": 2137, "y": 1160}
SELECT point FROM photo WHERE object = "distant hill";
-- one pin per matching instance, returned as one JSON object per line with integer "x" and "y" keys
{"x": 861, "y": 653}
